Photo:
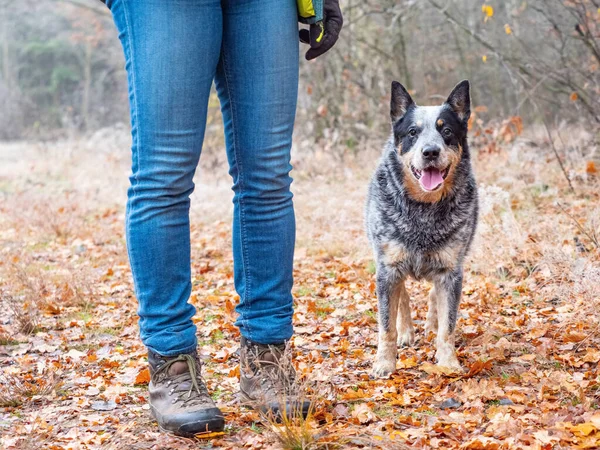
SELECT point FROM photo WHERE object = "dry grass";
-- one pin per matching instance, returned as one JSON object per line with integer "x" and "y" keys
{"x": 15, "y": 390}
{"x": 294, "y": 432}
{"x": 29, "y": 290}
{"x": 5, "y": 339}
{"x": 25, "y": 313}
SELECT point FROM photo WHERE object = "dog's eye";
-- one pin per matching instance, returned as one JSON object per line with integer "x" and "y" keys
{"x": 447, "y": 132}
{"x": 412, "y": 132}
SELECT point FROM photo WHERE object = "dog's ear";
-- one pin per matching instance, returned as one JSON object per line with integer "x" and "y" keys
{"x": 401, "y": 101}
{"x": 460, "y": 100}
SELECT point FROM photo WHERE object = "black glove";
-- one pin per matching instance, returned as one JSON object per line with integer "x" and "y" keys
{"x": 323, "y": 35}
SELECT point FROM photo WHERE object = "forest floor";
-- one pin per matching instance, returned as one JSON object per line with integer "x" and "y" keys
{"x": 73, "y": 370}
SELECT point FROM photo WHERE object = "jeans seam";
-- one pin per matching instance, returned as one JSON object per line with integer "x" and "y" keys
{"x": 136, "y": 144}
{"x": 243, "y": 234}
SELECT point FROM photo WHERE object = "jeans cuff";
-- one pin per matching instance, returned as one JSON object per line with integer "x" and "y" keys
{"x": 190, "y": 349}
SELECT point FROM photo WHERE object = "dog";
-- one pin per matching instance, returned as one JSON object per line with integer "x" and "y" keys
{"x": 421, "y": 215}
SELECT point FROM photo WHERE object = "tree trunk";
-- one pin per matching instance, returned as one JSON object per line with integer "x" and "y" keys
{"x": 87, "y": 85}
{"x": 400, "y": 49}
{"x": 6, "y": 65}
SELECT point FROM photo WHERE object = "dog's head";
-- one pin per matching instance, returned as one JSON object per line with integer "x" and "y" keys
{"x": 430, "y": 140}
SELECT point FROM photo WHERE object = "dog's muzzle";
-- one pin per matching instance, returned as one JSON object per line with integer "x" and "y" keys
{"x": 430, "y": 178}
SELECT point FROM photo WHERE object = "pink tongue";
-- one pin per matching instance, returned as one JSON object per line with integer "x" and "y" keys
{"x": 431, "y": 178}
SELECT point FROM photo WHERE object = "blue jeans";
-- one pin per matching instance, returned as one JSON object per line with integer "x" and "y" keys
{"x": 174, "y": 49}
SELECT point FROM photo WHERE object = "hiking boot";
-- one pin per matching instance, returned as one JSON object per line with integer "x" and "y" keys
{"x": 268, "y": 380}
{"x": 179, "y": 400}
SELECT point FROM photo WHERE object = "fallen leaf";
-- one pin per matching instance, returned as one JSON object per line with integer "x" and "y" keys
{"x": 351, "y": 394}
{"x": 478, "y": 366}
{"x": 584, "y": 429}
{"x": 407, "y": 363}
{"x": 592, "y": 356}
{"x": 544, "y": 437}
{"x": 341, "y": 411}
{"x": 481, "y": 443}
{"x": 434, "y": 369}
{"x": 92, "y": 391}
{"x": 75, "y": 354}
{"x": 102, "y": 405}
{"x": 143, "y": 376}
{"x": 574, "y": 336}
{"x": 482, "y": 389}
{"x": 595, "y": 420}
{"x": 363, "y": 413}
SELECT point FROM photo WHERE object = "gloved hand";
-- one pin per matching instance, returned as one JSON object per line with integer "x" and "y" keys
{"x": 323, "y": 35}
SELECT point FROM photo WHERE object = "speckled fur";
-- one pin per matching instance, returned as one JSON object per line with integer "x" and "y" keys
{"x": 419, "y": 238}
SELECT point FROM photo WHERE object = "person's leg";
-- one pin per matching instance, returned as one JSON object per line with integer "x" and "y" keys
{"x": 171, "y": 51}
{"x": 257, "y": 82}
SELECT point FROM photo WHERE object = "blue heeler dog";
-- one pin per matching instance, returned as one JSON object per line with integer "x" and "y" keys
{"x": 421, "y": 216}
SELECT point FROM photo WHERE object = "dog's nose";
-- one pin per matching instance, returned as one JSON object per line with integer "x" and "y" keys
{"x": 431, "y": 152}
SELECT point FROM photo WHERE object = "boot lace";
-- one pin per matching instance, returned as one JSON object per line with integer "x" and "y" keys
{"x": 276, "y": 376}
{"x": 180, "y": 382}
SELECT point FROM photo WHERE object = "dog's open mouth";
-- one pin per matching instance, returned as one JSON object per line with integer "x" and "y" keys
{"x": 430, "y": 178}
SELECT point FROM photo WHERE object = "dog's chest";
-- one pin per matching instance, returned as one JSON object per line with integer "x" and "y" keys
{"x": 422, "y": 243}
{"x": 421, "y": 264}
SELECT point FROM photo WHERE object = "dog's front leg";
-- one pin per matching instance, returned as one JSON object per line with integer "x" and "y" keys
{"x": 447, "y": 293}
{"x": 431, "y": 322}
{"x": 406, "y": 331}
{"x": 387, "y": 296}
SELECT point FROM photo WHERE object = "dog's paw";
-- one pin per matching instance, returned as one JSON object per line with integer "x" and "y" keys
{"x": 453, "y": 366}
{"x": 406, "y": 338}
{"x": 384, "y": 368}
{"x": 448, "y": 359}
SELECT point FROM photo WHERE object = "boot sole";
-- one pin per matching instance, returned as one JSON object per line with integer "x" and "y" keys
{"x": 215, "y": 424}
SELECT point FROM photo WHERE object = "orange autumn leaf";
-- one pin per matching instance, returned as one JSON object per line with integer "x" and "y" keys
{"x": 407, "y": 363}
{"x": 478, "y": 366}
{"x": 52, "y": 309}
{"x": 235, "y": 372}
{"x": 229, "y": 307}
{"x": 143, "y": 377}
{"x": 354, "y": 395}
{"x": 591, "y": 168}
{"x": 481, "y": 443}
{"x": 574, "y": 336}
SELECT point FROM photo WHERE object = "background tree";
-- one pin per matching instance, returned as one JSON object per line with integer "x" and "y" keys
{"x": 62, "y": 65}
